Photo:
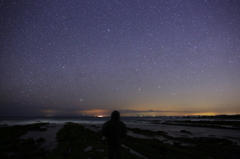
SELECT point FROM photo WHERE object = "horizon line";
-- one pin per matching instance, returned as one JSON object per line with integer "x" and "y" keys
{"x": 121, "y": 116}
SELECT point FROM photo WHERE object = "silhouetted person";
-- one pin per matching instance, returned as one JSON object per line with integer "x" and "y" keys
{"x": 114, "y": 130}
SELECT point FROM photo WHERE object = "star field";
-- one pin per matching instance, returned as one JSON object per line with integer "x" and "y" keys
{"x": 139, "y": 57}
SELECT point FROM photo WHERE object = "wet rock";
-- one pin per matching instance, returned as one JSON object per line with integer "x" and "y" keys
{"x": 40, "y": 139}
{"x": 185, "y": 131}
{"x": 27, "y": 146}
{"x": 177, "y": 143}
{"x": 28, "y": 141}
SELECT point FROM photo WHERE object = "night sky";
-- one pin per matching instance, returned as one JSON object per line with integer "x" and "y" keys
{"x": 141, "y": 57}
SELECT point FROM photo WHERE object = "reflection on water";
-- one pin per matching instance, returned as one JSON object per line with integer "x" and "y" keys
{"x": 49, "y": 136}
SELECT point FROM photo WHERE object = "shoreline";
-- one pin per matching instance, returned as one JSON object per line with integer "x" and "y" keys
{"x": 49, "y": 134}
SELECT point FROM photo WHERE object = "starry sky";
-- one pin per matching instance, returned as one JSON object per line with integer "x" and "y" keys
{"x": 154, "y": 57}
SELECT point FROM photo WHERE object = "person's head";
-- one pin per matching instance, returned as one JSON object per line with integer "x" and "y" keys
{"x": 115, "y": 115}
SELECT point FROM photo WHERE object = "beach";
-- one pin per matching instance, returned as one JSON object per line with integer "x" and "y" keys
{"x": 81, "y": 138}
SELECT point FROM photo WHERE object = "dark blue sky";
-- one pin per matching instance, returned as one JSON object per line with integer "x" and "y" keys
{"x": 74, "y": 57}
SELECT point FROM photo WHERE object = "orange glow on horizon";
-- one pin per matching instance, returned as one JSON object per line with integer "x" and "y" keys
{"x": 95, "y": 112}
{"x": 206, "y": 113}
{"x": 142, "y": 114}
{"x": 107, "y": 113}
{"x": 49, "y": 112}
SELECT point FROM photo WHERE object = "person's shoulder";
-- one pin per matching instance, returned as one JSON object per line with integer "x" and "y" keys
{"x": 122, "y": 123}
{"x": 107, "y": 122}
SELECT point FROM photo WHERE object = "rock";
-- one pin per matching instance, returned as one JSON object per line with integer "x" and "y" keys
{"x": 40, "y": 139}
{"x": 28, "y": 141}
{"x": 185, "y": 131}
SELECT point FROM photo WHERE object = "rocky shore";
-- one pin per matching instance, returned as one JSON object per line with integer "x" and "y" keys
{"x": 78, "y": 141}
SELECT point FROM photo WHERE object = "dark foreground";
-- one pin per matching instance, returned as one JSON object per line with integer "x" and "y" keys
{"x": 75, "y": 141}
